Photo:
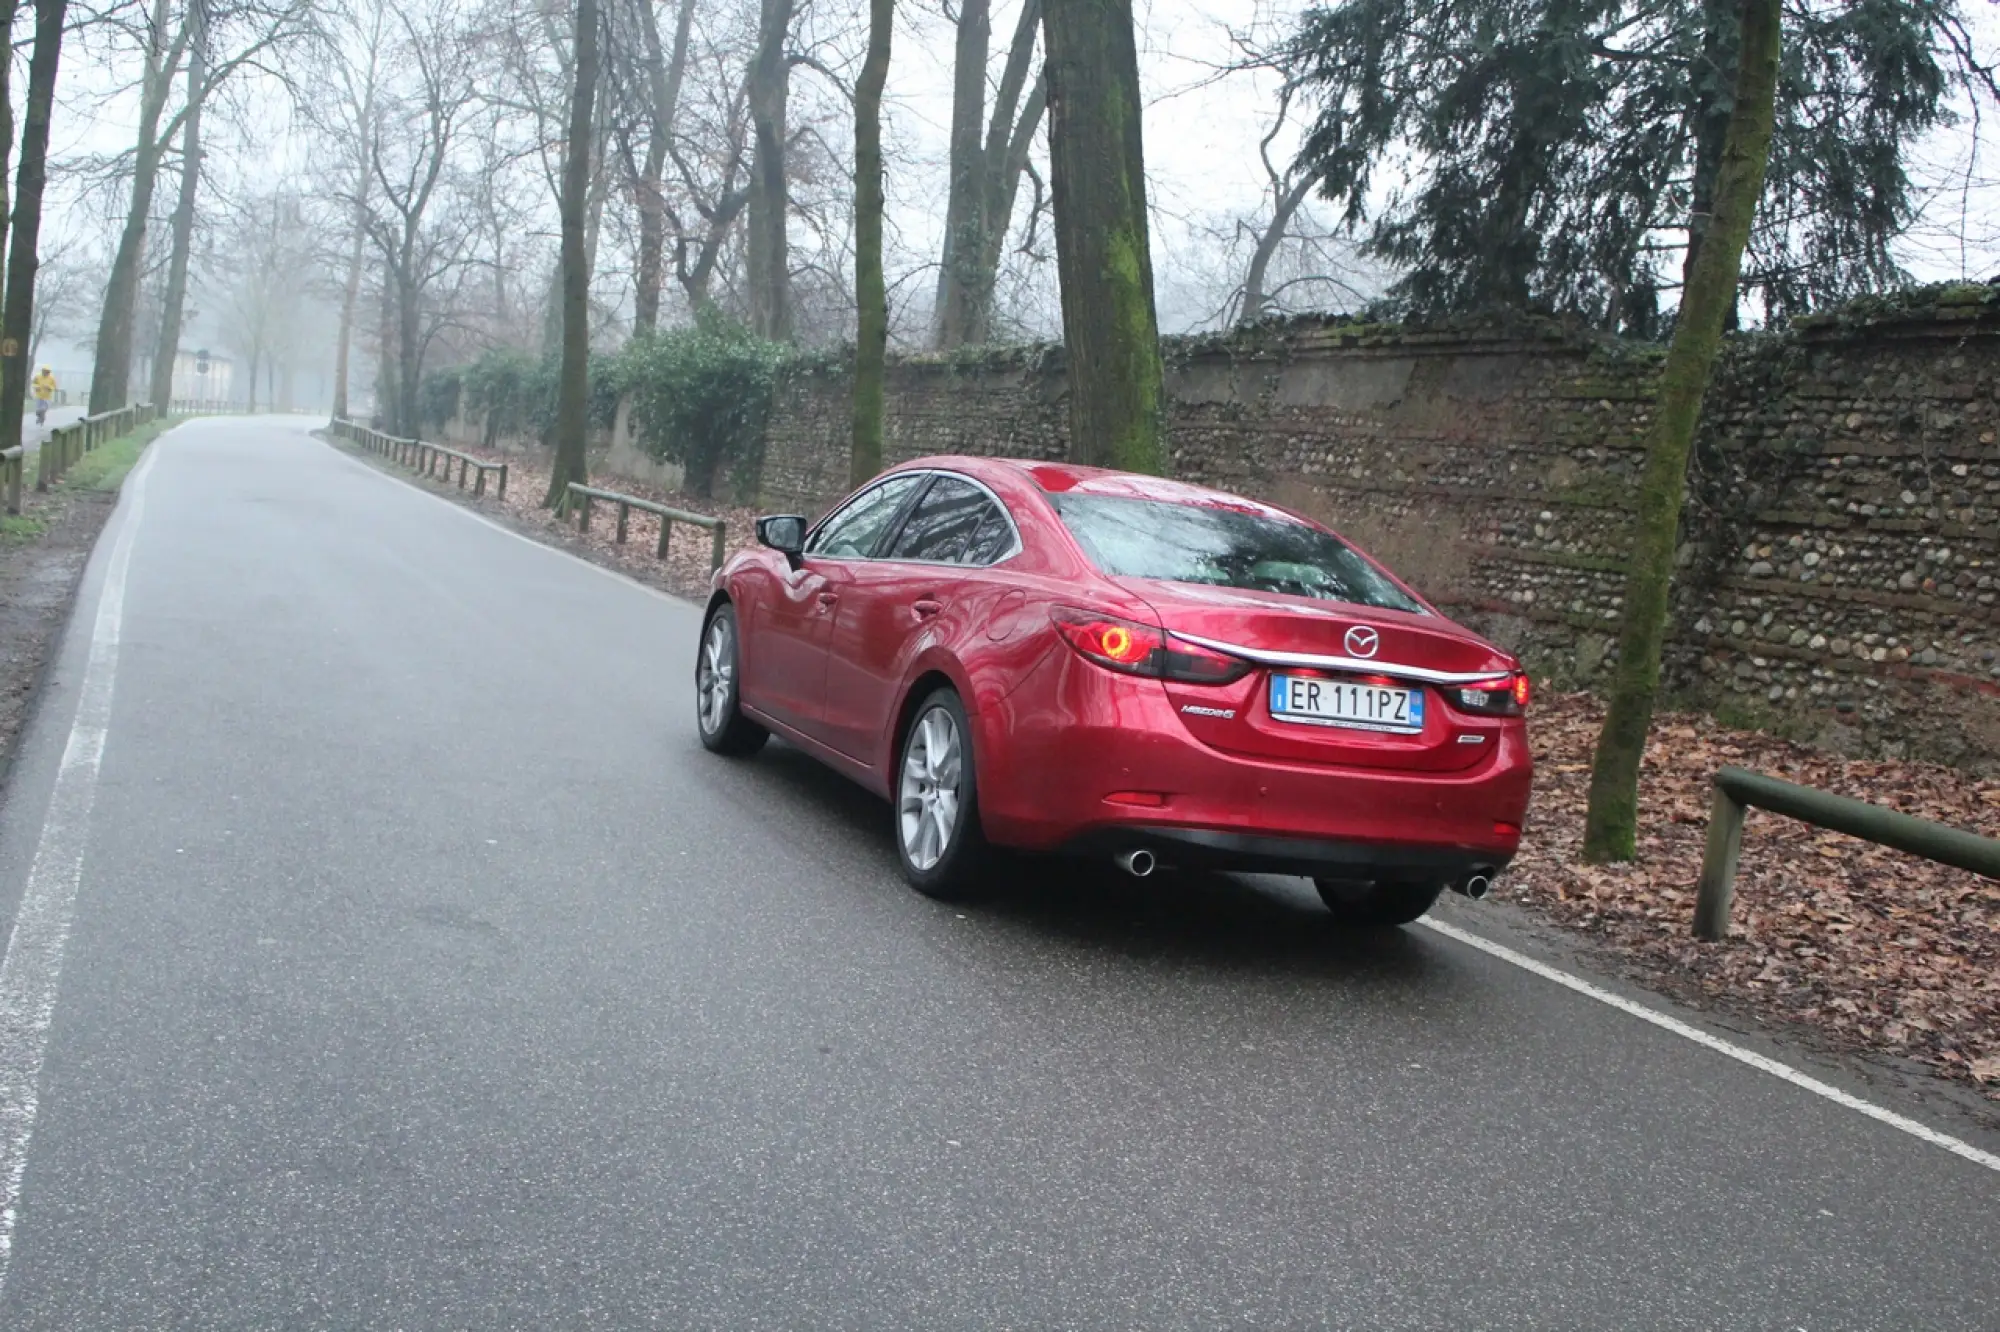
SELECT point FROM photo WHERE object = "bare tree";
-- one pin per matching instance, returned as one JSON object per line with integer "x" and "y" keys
{"x": 174, "y": 301}
{"x": 985, "y": 174}
{"x": 351, "y": 37}
{"x": 249, "y": 31}
{"x": 647, "y": 76}
{"x": 17, "y": 323}
{"x": 425, "y": 92}
{"x": 265, "y": 266}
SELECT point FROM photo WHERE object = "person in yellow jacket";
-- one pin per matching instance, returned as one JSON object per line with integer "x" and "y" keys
{"x": 45, "y": 393}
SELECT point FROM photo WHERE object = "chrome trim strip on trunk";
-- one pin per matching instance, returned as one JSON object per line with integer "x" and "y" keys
{"x": 1359, "y": 665}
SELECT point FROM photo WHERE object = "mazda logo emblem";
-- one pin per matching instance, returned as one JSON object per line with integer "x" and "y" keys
{"x": 1363, "y": 641}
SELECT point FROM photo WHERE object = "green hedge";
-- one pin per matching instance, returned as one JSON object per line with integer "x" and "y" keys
{"x": 700, "y": 397}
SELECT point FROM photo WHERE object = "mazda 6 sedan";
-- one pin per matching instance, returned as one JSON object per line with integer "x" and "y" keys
{"x": 1064, "y": 659}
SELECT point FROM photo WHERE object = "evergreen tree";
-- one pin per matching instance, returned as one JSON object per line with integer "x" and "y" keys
{"x": 1538, "y": 152}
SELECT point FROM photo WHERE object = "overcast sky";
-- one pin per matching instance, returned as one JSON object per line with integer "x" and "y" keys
{"x": 1201, "y": 143}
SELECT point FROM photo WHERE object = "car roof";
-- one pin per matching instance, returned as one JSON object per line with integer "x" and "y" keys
{"x": 1055, "y": 478}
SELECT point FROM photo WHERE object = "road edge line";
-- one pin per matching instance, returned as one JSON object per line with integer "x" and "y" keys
{"x": 31, "y": 966}
{"x": 410, "y": 484}
{"x": 1762, "y": 1063}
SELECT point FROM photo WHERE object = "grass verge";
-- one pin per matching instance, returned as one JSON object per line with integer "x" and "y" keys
{"x": 105, "y": 468}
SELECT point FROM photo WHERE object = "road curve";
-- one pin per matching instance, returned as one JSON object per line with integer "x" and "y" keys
{"x": 424, "y": 973}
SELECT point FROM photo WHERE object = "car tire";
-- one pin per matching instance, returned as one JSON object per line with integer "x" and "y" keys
{"x": 1379, "y": 905}
{"x": 718, "y": 714}
{"x": 935, "y": 803}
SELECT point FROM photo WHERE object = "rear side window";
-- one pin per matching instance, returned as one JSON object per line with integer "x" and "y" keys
{"x": 1188, "y": 543}
{"x": 954, "y": 523}
{"x": 855, "y": 531}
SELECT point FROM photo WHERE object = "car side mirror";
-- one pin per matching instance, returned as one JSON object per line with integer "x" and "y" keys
{"x": 784, "y": 533}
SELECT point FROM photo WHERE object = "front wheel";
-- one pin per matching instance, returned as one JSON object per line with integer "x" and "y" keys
{"x": 1378, "y": 905}
{"x": 937, "y": 803}
{"x": 718, "y": 714}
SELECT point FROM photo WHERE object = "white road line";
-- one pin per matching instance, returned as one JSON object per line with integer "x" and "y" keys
{"x": 31, "y": 968}
{"x": 410, "y": 484}
{"x": 1761, "y": 1063}
{"x": 1789, "y": 1074}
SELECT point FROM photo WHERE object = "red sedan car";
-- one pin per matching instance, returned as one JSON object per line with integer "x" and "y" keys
{"x": 1059, "y": 658}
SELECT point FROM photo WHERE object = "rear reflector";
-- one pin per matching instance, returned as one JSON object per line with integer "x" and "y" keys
{"x": 1149, "y": 799}
{"x": 1506, "y": 829}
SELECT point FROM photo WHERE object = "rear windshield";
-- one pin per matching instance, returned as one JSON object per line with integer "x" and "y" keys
{"x": 1187, "y": 543}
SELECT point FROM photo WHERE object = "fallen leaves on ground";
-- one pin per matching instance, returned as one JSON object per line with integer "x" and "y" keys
{"x": 1875, "y": 949}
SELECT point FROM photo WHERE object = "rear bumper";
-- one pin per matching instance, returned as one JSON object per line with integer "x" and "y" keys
{"x": 1264, "y": 853}
{"x": 1062, "y": 758}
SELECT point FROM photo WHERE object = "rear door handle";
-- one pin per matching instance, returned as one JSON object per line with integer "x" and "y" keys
{"x": 827, "y": 598}
{"x": 926, "y": 608}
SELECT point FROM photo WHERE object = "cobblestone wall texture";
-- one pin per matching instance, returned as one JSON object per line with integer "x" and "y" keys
{"x": 1842, "y": 545}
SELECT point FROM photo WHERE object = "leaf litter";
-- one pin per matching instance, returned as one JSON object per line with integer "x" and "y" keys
{"x": 1872, "y": 949}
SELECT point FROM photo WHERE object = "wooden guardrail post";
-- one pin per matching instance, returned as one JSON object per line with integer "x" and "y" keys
{"x": 717, "y": 549}
{"x": 1717, "y": 892}
{"x": 666, "y": 533}
{"x": 624, "y": 522}
{"x": 1736, "y": 789}
{"x": 503, "y": 481}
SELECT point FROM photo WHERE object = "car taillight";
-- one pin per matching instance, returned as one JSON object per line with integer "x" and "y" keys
{"x": 1137, "y": 649}
{"x": 1502, "y": 698}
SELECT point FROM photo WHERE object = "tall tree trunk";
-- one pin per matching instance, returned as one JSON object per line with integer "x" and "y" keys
{"x": 167, "y": 350}
{"x": 110, "y": 377}
{"x": 976, "y": 227}
{"x": 1103, "y": 254}
{"x": 1713, "y": 79}
{"x": 768, "y": 260}
{"x": 1000, "y": 209}
{"x": 350, "y": 298}
{"x": 256, "y": 362}
{"x": 18, "y": 324}
{"x": 965, "y": 201}
{"x": 409, "y": 347}
{"x": 871, "y": 345}
{"x": 1611, "y": 826}
{"x": 11, "y": 9}
{"x": 386, "y": 394}
{"x": 350, "y": 292}
{"x": 666, "y": 70}
{"x": 573, "y": 389}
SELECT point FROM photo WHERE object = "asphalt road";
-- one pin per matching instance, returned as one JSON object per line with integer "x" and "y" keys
{"x": 425, "y": 973}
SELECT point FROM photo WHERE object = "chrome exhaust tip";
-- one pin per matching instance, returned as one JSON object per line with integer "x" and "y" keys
{"x": 1138, "y": 863}
{"x": 1475, "y": 885}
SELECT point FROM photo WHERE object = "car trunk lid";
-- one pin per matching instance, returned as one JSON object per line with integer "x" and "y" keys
{"x": 1331, "y": 682}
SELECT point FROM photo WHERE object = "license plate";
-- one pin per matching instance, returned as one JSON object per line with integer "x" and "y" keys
{"x": 1362, "y": 707}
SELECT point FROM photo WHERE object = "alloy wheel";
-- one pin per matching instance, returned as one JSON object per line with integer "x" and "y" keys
{"x": 928, "y": 794}
{"x": 715, "y": 682}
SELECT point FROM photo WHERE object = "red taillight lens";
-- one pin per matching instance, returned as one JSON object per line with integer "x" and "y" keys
{"x": 1137, "y": 649}
{"x": 1502, "y": 697}
{"x": 1115, "y": 644}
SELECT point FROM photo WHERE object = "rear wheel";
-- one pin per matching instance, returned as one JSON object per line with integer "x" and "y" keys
{"x": 1377, "y": 905}
{"x": 937, "y": 803}
{"x": 724, "y": 729}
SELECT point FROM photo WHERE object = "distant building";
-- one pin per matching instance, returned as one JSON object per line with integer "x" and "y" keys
{"x": 201, "y": 375}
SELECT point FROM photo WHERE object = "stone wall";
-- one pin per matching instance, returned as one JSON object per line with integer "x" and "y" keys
{"x": 1843, "y": 533}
